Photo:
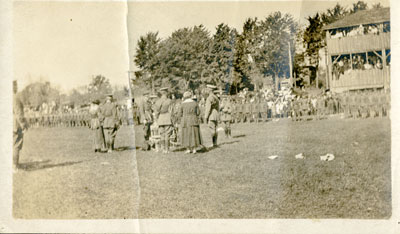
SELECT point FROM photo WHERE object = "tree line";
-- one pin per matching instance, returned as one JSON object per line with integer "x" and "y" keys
{"x": 37, "y": 93}
{"x": 191, "y": 57}
{"x": 262, "y": 53}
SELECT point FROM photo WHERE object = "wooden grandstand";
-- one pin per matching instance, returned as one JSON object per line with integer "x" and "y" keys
{"x": 358, "y": 51}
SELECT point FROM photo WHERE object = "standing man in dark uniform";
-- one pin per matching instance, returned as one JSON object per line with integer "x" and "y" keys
{"x": 109, "y": 115}
{"x": 19, "y": 126}
{"x": 145, "y": 114}
{"x": 163, "y": 109}
{"x": 211, "y": 115}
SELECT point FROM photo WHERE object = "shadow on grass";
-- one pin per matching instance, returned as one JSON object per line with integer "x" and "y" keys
{"x": 39, "y": 165}
{"x": 201, "y": 149}
{"x": 125, "y": 148}
{"x": 239, "y": 136}
{"x": 229, "y": 142}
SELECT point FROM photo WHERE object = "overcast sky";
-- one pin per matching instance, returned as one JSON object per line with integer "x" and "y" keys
{"x": 68, "y": 42}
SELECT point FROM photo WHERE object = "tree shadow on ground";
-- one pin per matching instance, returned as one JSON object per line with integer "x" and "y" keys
{"x": 39, "y": 165}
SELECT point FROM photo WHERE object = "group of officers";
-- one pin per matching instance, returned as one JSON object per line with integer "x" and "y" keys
{"x": 162, "y": 113}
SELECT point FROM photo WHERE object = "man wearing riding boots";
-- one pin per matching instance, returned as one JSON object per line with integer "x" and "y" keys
{"x": 226, "y": 114}
{"x": 211, "y": 115}
{"x": 145, "y": 114}
{"x": 163, "y": 108}
{"x": 110, "y": 122}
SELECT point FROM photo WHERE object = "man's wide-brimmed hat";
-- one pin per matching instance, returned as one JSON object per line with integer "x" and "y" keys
{"x": 153, "y": 96}
{"x": 187, "y": 94}
{"x": 217, "y": 91}
{"x": 211, "y": 86}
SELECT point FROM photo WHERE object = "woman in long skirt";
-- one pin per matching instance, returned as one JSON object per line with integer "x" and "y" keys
{"x": 95, "y": 126}
{"x": 190, "y": 123}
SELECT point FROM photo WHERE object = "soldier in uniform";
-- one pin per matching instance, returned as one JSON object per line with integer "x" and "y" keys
{"x": 19, "y": 126}
{"x": 356, "y": 105}
{"x": 163, "y": 109}
{"x": 226, "y": 115}
{"x": 145, "y": 114}
{"x": 374, "y": 104}
{"x": 345, "y": 104}
{"x": 234, "y": 110}
{"x": 296, "y": 109}
{"x": 305, "y": 108}
{"x": 211, "y": 114}
{"x": 264, "y": 110}
{"x": 365, "y": 101}
{"x": 255, "y": 110}
{"x": 202, "y": 106}
{"x": 109, "y": 120}
{"x": 136, "y": 116}
{"x": 387, "y": 103}
{"x": 239, "y": 110}
{"x": 247, "y": 110}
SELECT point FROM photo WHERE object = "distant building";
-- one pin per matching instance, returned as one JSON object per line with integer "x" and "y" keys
{"x": 358, "y": 51}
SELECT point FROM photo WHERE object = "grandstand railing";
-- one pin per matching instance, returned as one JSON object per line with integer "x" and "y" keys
{"x": 362, "y": 79}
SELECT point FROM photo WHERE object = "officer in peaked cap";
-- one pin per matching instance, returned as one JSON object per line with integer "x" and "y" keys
{"x": 211, "y": 113}
{"x": 162, "y": 111}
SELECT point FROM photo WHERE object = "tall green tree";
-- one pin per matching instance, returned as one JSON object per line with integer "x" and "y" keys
{"x": 221, "y": 56}
{"x": 358, "y": 6}
{"x": 146, "y": 57}
{"x": 245, "y": 53}
{"x": 314, "y": 36}
{"x": 183, "y": 58}
{"x": 277, "y": 37}
{"x": 99, "y": 87}
{"x": 37, "y": 93}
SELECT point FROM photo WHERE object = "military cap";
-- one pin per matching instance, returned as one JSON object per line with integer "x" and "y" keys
{"x": 164, "y": 89}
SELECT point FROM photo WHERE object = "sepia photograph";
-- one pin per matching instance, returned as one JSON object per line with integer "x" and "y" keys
{"x": 269, "y": 110}
{"x": 201, "y": 110}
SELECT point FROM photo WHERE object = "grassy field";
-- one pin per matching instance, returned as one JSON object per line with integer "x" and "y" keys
{"x": 235, "y": 180}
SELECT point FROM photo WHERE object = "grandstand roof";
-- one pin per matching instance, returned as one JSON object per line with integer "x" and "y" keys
{"x": 372, "y": 16}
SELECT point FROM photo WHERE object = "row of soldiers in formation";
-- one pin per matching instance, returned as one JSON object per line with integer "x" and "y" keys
{"x": 368, "y": 103}
{"x": 350, "y": 104}
{"x": 76, "y": 118}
